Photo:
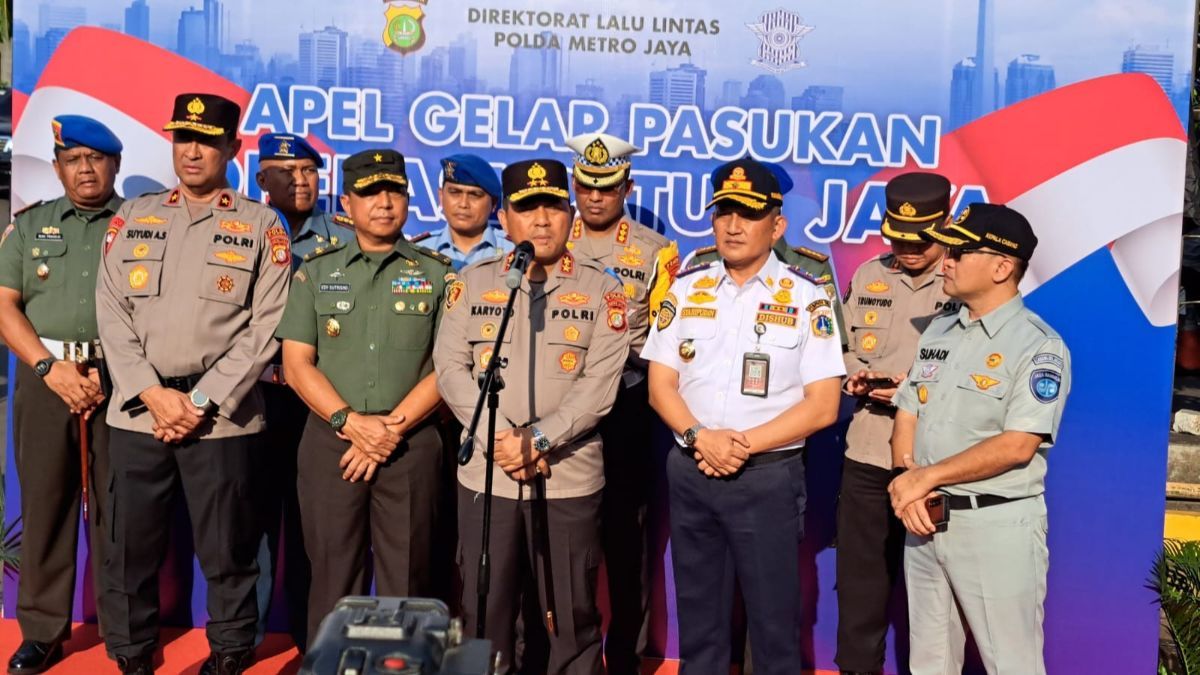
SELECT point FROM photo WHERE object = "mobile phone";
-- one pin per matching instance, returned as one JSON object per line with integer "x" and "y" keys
{"x": 939, "y": 514}
{"x": 880, "y": 383}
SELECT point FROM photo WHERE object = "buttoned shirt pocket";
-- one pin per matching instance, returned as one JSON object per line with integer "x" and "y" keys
{"x": 227, "y": 275}
{"x": 141, "y": 268}
{"x": 410, "y": 324}
{"x": 333, "y": 321}
{"x": 481, "y": 334}
{"x": 783, "y": 344}
{"x": 869, "y": 332}
{"x": 48, "y": 263}
{"x": 980, "y": 399}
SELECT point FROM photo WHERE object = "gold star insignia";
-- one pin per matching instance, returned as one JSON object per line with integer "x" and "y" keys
{"x": 378, "y": 157}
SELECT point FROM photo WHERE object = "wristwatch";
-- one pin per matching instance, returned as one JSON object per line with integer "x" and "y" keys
{"x": 338, "y": 419}
{"x": 42, "y": 368}
{"x": 540, "y": 442}
{"x": 201, "y": 401}
{"x": 689, "y": 436}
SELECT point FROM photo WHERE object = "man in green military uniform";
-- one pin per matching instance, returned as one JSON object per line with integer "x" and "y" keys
{"x": 978, "y": 413}
{"x": 357, "y": 346}
{"x": 289, "y": 174}
{"x": 48, "y": 262}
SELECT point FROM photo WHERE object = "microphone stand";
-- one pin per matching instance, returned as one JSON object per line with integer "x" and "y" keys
{"x": 490, "y": 385}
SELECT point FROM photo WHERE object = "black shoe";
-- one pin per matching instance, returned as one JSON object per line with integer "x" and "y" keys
{"x": 34, "y": 657}
{"x": 136, "y": 665}
{"x": 228, "y": 663}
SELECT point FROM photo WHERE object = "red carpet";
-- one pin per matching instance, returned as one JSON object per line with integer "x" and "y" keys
{"x": 182, "y": 651}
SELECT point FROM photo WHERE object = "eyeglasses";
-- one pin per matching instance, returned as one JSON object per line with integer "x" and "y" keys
{"x": 958, "y": 253}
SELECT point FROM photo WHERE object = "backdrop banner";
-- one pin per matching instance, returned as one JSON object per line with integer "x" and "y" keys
{"x": 1071, "y": 112}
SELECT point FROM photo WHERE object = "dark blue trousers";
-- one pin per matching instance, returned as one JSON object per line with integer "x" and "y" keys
{"x": 748, "y": 526}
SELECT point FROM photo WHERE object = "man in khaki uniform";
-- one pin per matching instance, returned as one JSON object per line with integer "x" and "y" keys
{"x": 358, "y": 340}
{"x": 646, "y": 263}
{"x": 977, "y": 416}
{"x": 193, "y": 282}
{"x": 891, "y": 299}
{"x": 566, "y": 344}
{"x": 48, "y": 261}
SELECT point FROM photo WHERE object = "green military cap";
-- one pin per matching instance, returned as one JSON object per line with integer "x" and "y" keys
{"x": 364, "y": 169}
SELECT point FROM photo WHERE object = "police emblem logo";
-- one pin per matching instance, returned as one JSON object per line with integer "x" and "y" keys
{"x": 597, "y": 153}
{"x": 537, "y": 176}
{"x": 571, "y": 333}
{"x": 487, "y": 330}
{"x": 779, "y": 34}
{"x": 485, "y": 357}
{"x": 869, "y": 342}
{"x": 225, "y": 284}
{"x": 195, "y": 109}
{"x": 908, "y": 210}
{"x": 403, "y": 31}
{"x": 871, "y": 318}
{"x": 141, "y": 251}
{"x": 666, "y": 313}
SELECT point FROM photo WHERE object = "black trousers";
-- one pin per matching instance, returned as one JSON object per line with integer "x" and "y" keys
{"x": 869, "y": 551}
{"x": 345, "y": 523}
{"x": 46, "y": 440}
{"x": 629, "y": 482}
{"x": 282, "y": 554}
{"x": 748, "y": 526}
{"x": 216, "y": 477}
{"x": 527, "y": 538}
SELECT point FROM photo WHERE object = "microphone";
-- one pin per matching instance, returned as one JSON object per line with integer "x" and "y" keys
{"x": 522, "y": 254}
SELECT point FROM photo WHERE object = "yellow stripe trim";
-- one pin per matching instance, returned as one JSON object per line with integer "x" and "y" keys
{"x": 194, "y": 126}
{"x": 915, "y": 219}
{"x": 970, "y": 235}
{"x": 377, "y": 177}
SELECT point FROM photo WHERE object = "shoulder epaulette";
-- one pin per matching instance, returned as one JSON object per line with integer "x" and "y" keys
{"x": 421, "y": 237}
{"x": 29, "y": 207}
{"x": 809, "y": 253}
{"x": 323, "y": 250}
{"x": 343, "y": 220}
{"x": 700, "y": 253}
{"x": 808, "y": 276}
{"x": 692, "y": 269}
{"x": 1041, "y": 325}
{"x": 433, "y": 254}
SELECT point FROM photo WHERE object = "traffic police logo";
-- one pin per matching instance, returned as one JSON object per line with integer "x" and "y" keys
{"x": 139, "y": 276}
{"x": 403, "y": 31}
{"x": 597, "y": 153}
{"x": 779, "y": 34}
{"x": 568, "y": 361}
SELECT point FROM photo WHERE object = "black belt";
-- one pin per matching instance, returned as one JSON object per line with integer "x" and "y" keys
{"x": 965, "y": 503}
{"x": 754, "y": 460}
{"x": 184, "y": 383}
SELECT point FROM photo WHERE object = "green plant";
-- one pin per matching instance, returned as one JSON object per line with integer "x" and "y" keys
{"x": 1176, "y": 579}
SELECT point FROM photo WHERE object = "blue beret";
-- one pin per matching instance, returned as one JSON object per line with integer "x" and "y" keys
{"x": 72, "y": 131}
{"x": 785, "y": 181}
{"x": 471, "y": 170}
{"x": 287, "y": 146}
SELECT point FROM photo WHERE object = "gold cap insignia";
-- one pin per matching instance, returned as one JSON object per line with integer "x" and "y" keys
{"x": 597, "y": 152}
{"x": 285, "y": 148}
{"x": 196, "y": 108}
{"x": 537, "y": 176}
{"x": 378, "y": 157}
{"x": 962, "y": 216}
{"x": 908, "y": 210}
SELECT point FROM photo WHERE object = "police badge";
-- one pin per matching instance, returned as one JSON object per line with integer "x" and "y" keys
{"x": 779, "y": 33}
{"x": 404, "y": 32}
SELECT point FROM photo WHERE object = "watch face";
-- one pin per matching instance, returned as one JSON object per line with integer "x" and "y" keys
{"x": 42, "y": 367}
{"x": 338, "y": 420}
{"x": 198, "y": 399}
{"x": 689, "y": 437}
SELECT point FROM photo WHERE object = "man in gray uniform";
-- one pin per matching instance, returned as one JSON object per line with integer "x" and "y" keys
{"x": 192, "y": 284}
{"x": 978, "y": 413}
{"x": 565, "y": 346}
